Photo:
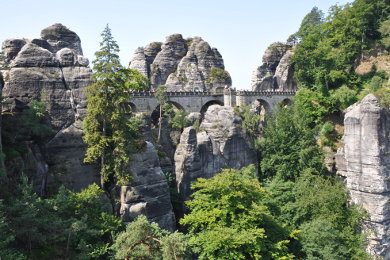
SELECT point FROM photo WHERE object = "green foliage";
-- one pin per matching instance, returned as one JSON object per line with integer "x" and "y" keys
{"x": 7, "y": 238}
{"x": 88, "y": 226}
{"x": 174, "y": 194}
{"x": 310, "y": 23}
{"x": 217, "y": 74}
{"x": 324, "y": 58}
{"x": 160, "y": 94}
{"x": 228, "y": 219}
{"x": 343, "y": 97}
{"x": 288, "y": 147}
{"x": 301, "y": 191}
{"x": 250, "y": 120}
{"x": 180, "y": 120}
{"x": 144, "y": 240}
{"x": 327, "y": 134}
{"x": 67, "y": 226}
{"x": 175, "y": 247}
{"x": 311, "y": 106}
{"x": 385, "y": 31}
{"x": 110, "y": 132}
{"x": 26, "y": 125}
{"x": 177, "y": 118}
{"x": 375, "y": 83}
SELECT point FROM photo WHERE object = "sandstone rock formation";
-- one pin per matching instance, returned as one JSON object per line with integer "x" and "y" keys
{"x": 220, "y": 143}
{"x": 182, "y": 64}
{"x": 276, "y": 72}
{"x": 53, "y": 70}
{"x": 364, "y": 161}
{"x": 148, "y": 193}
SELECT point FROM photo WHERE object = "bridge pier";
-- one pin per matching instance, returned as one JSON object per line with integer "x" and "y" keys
{"x": 241, "y": 99}
{"x": 229, "y": 98}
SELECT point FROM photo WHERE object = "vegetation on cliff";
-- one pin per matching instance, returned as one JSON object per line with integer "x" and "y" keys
{"x": 110, "y": 132}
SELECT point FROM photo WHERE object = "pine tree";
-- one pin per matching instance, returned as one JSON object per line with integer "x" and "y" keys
{"x": 110, "y": 132}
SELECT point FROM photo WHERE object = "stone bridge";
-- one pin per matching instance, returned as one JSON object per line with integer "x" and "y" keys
{"x": 199, "y": 101}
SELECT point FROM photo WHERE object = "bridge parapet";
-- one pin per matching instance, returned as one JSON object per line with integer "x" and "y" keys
{"x": 191, "y": 101}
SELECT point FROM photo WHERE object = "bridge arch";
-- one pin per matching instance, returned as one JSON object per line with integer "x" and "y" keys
{"x": 128, "y": 107}
{"x": 176, "y": 105}
{"x": 208, "y": 104}
{"x": 286, "y": 102}
{"x": 133, "y": 107}
{"x": 261, "y": 107}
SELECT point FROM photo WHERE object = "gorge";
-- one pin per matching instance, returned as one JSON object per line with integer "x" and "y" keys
{"x": 313, "y": 137}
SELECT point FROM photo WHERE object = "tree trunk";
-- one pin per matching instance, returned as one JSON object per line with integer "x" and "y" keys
{"x": 102, "y": 161}
{"x": 159, "y": 124}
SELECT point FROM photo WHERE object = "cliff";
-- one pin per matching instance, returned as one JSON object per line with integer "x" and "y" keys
{"x": 182, "y": 64}
{"x": 51, "y": 69}
{"x": 219, "y": 143}
{"x": 275, "y": 72}
{"x": 364, "y": 162}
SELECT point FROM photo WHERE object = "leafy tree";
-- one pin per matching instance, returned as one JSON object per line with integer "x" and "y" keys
{"x": 312, "y": 21}
{"x": 289, "y": 147}
{"x": 110, "y": 132}
{"x": 144, "y": 240}
{"x": 87, "y": 225}
{"x": 162, "y": 99}
{"x": 7, "y": 238}
{"x": 385, "y": 31}
{"x": 228, "y": 219}
{"x": 179, "y": 120}
{"x": 33, "y": 223}
{"x": 343, "y": 97}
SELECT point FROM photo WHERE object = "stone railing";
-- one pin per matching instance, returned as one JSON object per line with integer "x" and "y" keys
{"x": 213, "y": 93}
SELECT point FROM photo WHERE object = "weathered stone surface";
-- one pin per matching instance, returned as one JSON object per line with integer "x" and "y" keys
{"x": 275, "y": 73}
{"x": 182, "y": 65}
{"x": 284, "y": 73}
{"x": 65, "y": 158}
{"x": 139, "y": 62}
{"x": 11, "y": 47}
{"x": 53, "y": 70}
{"x": 32, "y": 55}
{"x": 364, "y": 160}
{"x": 148, "y": 193}
{"x": 59, "y": 37}
{"x": 219, "y": 144}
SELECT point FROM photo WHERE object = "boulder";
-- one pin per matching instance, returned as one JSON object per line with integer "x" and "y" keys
{"x": 364, "y": 162}
{"x": 32, "y": 55}
{"x": 59, "y": 37}
{"x": 148, "y": 193}
{"x": 12, "y": 47}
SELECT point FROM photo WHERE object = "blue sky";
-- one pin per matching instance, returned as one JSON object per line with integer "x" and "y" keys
{"x": 241, "y": 30}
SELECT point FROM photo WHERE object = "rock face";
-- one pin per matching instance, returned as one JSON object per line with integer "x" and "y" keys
{"x": 182, "y": 64}
{"x": 276, "y": 72}
{"x": 364, "y": 160}
{"x": 53, "y": 70}
{"x": 219, "y": 143}
{"x": 149, "y": 192}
